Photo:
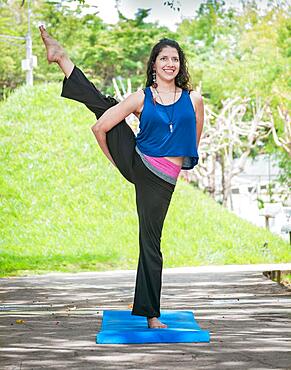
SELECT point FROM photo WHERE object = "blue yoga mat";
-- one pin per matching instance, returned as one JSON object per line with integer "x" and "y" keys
{"x": 120, "y": 327}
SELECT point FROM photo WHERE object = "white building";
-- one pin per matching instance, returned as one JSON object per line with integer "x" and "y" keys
{"x": 254, "y": 200}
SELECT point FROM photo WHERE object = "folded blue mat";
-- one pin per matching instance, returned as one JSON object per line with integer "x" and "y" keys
{"x": 121, "y": 327}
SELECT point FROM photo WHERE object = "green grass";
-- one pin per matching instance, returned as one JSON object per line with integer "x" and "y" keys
{"x": 64, "y": 207}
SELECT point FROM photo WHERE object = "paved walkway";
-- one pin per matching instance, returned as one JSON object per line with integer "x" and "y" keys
{"x": 248, "y": 317}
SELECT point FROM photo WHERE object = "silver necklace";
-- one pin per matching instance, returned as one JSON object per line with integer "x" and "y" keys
{"x": 173, "y": 107}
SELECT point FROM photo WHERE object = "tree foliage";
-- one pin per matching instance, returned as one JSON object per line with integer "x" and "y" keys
{"x": 230, "y": 53}
{"x": 102, "y": 50}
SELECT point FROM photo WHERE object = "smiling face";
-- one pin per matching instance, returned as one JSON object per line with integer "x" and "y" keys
{"x": 167, "y": 64}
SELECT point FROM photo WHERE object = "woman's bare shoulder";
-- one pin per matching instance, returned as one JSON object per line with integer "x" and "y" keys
{"x": 138, "y": 98}
{"x": 132, "y": 101}
{"x": 196, "y": 97}
{"x": 197, "y": 101}
{"x": 138, "y": 95}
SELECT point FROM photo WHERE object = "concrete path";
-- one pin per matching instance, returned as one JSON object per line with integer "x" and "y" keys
{"x": 248, "y": 317}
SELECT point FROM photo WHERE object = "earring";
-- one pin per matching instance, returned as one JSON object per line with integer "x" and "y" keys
{"x": 155, "y": 85}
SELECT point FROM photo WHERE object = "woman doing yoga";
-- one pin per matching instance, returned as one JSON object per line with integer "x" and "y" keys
{"x": 171, "y": 120}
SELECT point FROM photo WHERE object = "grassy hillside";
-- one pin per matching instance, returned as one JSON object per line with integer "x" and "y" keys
{"x": 64, "y": 207}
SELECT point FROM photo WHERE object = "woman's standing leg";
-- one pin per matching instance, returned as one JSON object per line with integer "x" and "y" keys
{"x": 153, "y": 196}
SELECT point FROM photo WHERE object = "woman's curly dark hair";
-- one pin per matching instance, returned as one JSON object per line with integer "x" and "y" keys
{"x": 182, "y": 80}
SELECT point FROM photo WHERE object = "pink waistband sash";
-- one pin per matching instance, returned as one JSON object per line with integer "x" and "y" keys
{"x": 164, "y": 165}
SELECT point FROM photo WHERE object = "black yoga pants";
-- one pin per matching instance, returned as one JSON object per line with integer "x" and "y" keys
{"x": 153, "y": 194}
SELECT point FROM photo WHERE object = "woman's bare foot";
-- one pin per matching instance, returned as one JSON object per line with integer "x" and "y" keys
{"x": 154, "y": 323}
{"x": 55, "y": 52}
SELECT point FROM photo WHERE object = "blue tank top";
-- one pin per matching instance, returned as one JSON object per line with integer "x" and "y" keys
{"x": 158, "y": 138}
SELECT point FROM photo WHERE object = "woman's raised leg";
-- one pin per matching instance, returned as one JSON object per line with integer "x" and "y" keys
{"x": 120, "y": 139}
